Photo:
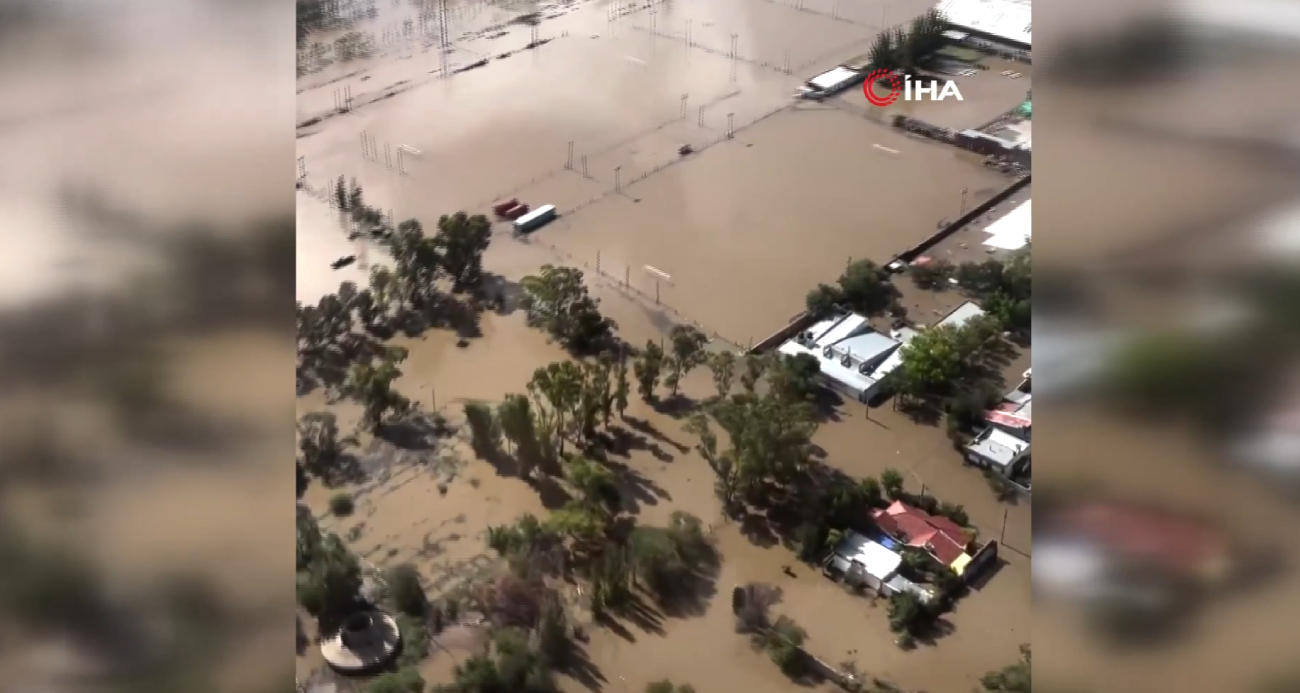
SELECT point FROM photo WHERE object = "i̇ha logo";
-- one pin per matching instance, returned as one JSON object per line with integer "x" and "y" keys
{"x": 905, "y": 87}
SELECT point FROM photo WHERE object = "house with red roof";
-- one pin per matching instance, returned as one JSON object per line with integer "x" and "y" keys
{"x": 940, "y": 537}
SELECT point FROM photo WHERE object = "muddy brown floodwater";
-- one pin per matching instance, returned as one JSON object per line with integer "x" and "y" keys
{"x": 742, "y": 229}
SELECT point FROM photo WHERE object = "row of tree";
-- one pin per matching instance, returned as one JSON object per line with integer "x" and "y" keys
{"x": 903, "y": 49}
{"x": 1004, "y": 288}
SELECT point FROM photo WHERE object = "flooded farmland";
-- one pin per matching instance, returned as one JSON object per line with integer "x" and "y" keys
{"x": 774, "y": 197}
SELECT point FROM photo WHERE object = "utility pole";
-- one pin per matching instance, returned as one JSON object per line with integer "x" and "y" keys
{"x": 700, "y": 118}
{"x": 785, "y": 63}
{"x": 734, "y": 39}
{"x": 568, "y": 166}
{"x": 731, "y": 131}
{"x": 584, "y": 166}
{"x": 302, "y": 167}
{"x": 388, "y": 156}
{"x": 684, "y": 97}
{"x": 618, "y": 182}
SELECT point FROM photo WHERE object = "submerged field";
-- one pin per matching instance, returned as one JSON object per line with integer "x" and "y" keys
{"x": 742, "y": 229}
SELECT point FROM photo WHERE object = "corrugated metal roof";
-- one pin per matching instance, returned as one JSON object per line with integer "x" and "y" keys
{"x": 833, "y": 78}
{"x": 1011, "y": 20}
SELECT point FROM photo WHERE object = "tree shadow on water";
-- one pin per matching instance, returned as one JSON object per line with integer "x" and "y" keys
{"x": 419, "y": 432}
{"x": 634, "y": 488}
{"x": 646, "y": 428}
{"x": 552, "y": 494}
{"x": 578, "y": 666}
{"x": 642, "y": 614}
{"x": 622, "y": 442}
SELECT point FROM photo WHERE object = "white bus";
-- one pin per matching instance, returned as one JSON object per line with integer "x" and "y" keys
{"x": 535, "y": 219}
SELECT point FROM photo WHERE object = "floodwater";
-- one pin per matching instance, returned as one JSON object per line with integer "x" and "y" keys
{"x": 738, "y": 232}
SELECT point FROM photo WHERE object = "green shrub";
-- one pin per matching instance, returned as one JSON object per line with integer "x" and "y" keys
{"x": 406, "y": 591}
{"x": 341, "y": 504}
{"x": 401, "y": 681}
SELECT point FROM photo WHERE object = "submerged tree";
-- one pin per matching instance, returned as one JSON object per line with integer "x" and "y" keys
{"x": 484, "y": 428}
{"x": 557, "y": 300}
{"x": 687, "y": 352}
{"x": 647, "y": 367}
{"x": 517, "y": 425}
{"x": 372, "y": 385}
{"x": 461, "y": 241}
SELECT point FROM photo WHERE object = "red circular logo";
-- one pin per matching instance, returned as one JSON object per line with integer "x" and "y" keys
{"x": 885, "y": 77}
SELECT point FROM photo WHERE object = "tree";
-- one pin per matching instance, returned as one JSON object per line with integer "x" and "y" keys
{"x": 594, "y": 400}
{"x": 321, "y": 446}
{"x": 622, "y": 387}
{"x": 330, "y": 586}
{"x": 593, "y": 482}
{"x": 647, "y": 368}
{"x": 770, "y": 439}
{"x": 484, "y": 428}
{"x": 867, "y": 288}
{"x": 406, "y": 591}
{"x": 892, "y": 483}
{"x": 784, "y": 641}
{"x": 341, "y": 193}
{"x": 372, "y": 386}
{"x": 516, "y": 416}
{"x": 906, "y": 613}
{"x": 553, "y": 633}
{"x": 461, "y": 241}
{"x": 406, "y": 680}
{"x": 932, "y": 275}
{"x": 557, "y": 300}
{"x": 687, "y": 352}
{"x": 882, "y": 52}
{"x": 723, "y": 366}
{"x": 665, "y": 559}
{"x": 795, "y": 377}
{"x": 824, "y": 300}
{"x": 727, "y": 474}
{"x": 356, "y": 197}
{"x": 756, "y": 365}
{"x": 1016, "y": 678}
{"x": 929, "y": 363}
{"x": 560, "y": 385}
{"x": 417, "y": 262}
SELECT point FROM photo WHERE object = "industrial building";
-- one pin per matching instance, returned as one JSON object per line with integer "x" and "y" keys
{"x": 1007, "y": 22}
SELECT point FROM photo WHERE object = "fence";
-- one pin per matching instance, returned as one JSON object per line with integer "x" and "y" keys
{"x": 623, "y": 142}
{"x": 624, "y": 287}
{"x": 912, "y": 253}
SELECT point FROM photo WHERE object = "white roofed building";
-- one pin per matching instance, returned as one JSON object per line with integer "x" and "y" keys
{"x": 1005, "y": 21}
{"x": 848, "y": 351}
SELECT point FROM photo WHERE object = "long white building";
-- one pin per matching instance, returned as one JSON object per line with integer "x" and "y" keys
{"x": 1005, "y": 21}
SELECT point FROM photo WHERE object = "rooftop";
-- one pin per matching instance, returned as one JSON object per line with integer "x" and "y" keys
{"x": 1010, "y": 20}
{"x": 833, "y": 78}
{"x": 962, "y": 314}
{"x": 846, "y": 347}
{"x": 1019, "y": 132}
{"x": 944, "y": 538}
{"x": 1013, "y": 231}
{"x": 997, "y": 446}
{"x": 878, "y": 561}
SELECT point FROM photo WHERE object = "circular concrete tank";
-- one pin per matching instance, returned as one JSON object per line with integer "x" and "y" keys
{"x": 367, "y": 640}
